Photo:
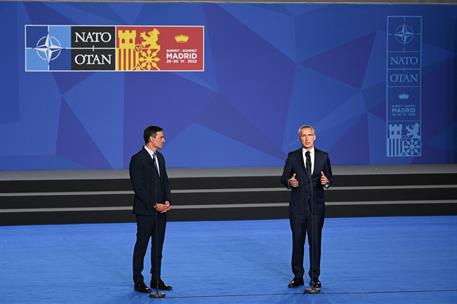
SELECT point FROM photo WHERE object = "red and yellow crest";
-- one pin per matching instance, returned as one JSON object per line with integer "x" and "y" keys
{"x": 155, "y": 48}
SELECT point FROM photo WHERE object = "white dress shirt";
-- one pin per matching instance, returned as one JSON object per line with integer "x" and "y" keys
{"x": 311, "y": 152}
{"x": 152, "y": 154}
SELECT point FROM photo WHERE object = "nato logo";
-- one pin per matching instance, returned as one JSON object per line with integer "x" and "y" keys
{"x": 48, "y": 48}
{"x": 69, "y": 48}
{"x": 404, "y": 33}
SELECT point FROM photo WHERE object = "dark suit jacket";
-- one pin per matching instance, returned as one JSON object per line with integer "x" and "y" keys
{"x": 309, "y": 196}
{"x": 149, "y": 187}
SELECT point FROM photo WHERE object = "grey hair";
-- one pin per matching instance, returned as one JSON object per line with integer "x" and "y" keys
{"x": 305, "y": 127}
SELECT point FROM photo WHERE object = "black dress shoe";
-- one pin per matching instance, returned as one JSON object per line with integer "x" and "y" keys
{"x": 161, "y": 286}
{"x": 295, "y": 283}
{"x": 315, "y": 284}
{"x": 141, "y": 287}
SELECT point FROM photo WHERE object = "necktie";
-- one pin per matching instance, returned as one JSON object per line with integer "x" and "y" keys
{"x": 154, "y": 159}
{"x": 308, "y": 163}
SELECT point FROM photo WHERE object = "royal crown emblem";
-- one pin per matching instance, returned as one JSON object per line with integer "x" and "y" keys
{"x": 181, "y": 38}
{"x": 403, "y": 96}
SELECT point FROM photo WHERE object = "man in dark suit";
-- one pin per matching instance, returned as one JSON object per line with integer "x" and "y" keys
{"x": 307, "y": 172}
{"x": 149, "y": 179}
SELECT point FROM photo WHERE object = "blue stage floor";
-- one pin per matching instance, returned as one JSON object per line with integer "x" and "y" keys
{"x": 388, "y": 260}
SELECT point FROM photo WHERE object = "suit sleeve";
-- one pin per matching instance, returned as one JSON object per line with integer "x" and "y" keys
{"x": 328, "y": 171}
{"x": 287, "y": 173}
{"x": 167, "y": 184}
{"x": 136, "y": 179}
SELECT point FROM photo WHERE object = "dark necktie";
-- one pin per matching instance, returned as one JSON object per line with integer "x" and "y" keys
{"x": 308, "y": 163}
{"x": 154, "y": 159}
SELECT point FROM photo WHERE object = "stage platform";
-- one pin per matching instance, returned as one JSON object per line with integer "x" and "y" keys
{"x": 56, "y": 197}
{"x": 376, "y": 260}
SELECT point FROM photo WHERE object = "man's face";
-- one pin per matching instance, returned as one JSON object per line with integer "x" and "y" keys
{"x": 307, "y": 138}
{"x": 158, "y": 141}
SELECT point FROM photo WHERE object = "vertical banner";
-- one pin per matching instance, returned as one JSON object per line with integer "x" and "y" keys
{"x": 403, "y": 86}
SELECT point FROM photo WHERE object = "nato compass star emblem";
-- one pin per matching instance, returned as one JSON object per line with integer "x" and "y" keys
{"x": 404, "y": 34}
{"x": 48, "y": 48}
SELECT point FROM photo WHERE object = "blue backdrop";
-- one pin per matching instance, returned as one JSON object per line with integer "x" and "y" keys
{"x": 268, "y": 69}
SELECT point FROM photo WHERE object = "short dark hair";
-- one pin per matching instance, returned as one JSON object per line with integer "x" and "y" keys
{"x": 150, "y": 131}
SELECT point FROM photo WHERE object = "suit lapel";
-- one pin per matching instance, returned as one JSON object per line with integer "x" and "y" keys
{"x": 301, "y": 160}
{"x": 146, "y": 155}
{"x": 159, "y": 161}
{"x": 302, "y": 163}
{"x": 317, "y": 160}
{"x": 150, "y": 161}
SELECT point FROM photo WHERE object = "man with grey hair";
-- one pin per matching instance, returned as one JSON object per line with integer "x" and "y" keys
{"x": 307, "y": 172}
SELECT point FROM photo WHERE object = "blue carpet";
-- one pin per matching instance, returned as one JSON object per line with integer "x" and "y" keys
{"x": 392, "y": 260}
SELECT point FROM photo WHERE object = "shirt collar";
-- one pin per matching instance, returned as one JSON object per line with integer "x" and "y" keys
{"x": 150, "y": 152}
{"x": 311, "y": 151}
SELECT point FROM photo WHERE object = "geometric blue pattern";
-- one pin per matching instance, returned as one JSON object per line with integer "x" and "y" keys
{"x": 91, "y": 110}
{"x": 268, "y": 69}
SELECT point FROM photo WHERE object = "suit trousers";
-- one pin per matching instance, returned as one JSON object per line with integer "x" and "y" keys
{"x": 146, "y": 229}
{"x": 301, "y": 225}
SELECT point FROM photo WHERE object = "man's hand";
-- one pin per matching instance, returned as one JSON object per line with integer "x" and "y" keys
{"x": 163, "y": 208}
{"x": 167, "y": 203}
{"x": 293, "y": 182}
{"x": 324, "y": 179}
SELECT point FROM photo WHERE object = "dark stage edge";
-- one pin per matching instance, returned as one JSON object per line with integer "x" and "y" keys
{"x": 58, "y": 197}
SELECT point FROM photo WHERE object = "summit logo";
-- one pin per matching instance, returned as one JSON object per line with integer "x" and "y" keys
{"x": 67, "y": 48}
